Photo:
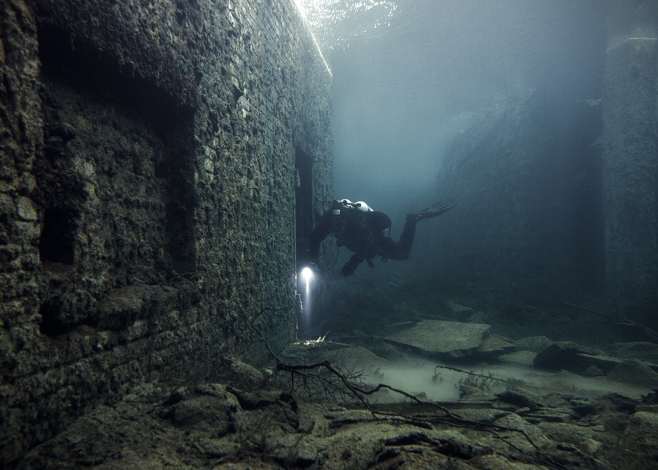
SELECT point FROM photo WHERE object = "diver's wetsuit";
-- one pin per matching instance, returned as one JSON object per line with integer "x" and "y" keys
{"x": 363, "y": 233}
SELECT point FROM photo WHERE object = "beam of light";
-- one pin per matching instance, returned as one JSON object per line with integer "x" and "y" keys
{"x": 307, "y": 275}
{"x": 308, "y": 26}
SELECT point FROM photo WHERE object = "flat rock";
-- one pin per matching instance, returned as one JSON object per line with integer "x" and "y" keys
{"x": 377, "y": 346}
{"x": 569, "y": 432}
{"x": 355, "y": 355}
{"x": 494, "y": 345}
{"x": 644, "y": 351}
{"x": 443, "y": 338}
{"x": 603, "y": 363}
{"x": 524, "y": 358}
{"x": 310, "y": 351}
{"x": 459, "y": 308}
{"x": 564, "y": 355}
{"x": 634, "y": 372}
{"x": 521, "y": 397}
{"x": 520, "y": 439}
{"x": 533, "y": 343}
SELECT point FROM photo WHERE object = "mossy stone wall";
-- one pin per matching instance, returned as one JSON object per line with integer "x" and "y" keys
{"x": 147, "y": 200}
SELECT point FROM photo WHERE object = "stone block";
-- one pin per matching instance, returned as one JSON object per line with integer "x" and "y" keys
{"x": 26, "y": 210}
{"x": 443, "y": 338}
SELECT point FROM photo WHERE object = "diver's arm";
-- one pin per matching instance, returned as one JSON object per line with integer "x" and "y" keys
{"x": 352, "y": 264}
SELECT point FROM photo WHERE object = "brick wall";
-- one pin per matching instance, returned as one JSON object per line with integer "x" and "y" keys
{"x": 147, "y": 195}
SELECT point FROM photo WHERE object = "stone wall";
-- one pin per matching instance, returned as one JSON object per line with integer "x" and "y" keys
{"x": 525, "y": 181}
{"x": 147, "y": 195}
{"x": 630, "y": 121}
{"x": 562, "y": 196}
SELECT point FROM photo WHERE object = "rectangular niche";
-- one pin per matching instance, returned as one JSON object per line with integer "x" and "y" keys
{"x": 303, "y": 201}
{"x": 115, "y": 182}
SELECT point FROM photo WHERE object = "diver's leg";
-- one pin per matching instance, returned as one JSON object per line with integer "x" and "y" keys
{"x": 407, "y": 236}
{"x": 400, "y": 250}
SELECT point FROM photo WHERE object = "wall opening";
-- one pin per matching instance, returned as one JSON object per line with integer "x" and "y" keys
{"x": 56, "y": 242}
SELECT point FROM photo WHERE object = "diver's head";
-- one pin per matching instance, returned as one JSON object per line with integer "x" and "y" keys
{"x": 362, "y": 206}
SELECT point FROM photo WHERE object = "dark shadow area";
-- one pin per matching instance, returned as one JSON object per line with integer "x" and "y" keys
{"x": 93, "y": 73}
{"x": 56, "y": 242}
{"x": 51, "y": 325}
{"x": 303, "y": 200}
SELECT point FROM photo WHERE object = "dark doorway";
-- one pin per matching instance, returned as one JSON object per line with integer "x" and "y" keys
{"x": 304, "y": 227}
{"x": 304, "y": 202}
{"x": 56, "y": 243}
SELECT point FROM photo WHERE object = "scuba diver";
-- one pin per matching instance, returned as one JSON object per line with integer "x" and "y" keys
{"x": 362, "y": 230}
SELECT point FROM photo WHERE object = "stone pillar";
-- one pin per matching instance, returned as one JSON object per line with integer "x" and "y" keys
{"x": 630, "y": 174}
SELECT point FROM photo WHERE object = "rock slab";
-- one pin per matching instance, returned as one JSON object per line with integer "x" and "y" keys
{"x": 443, "y": 338}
